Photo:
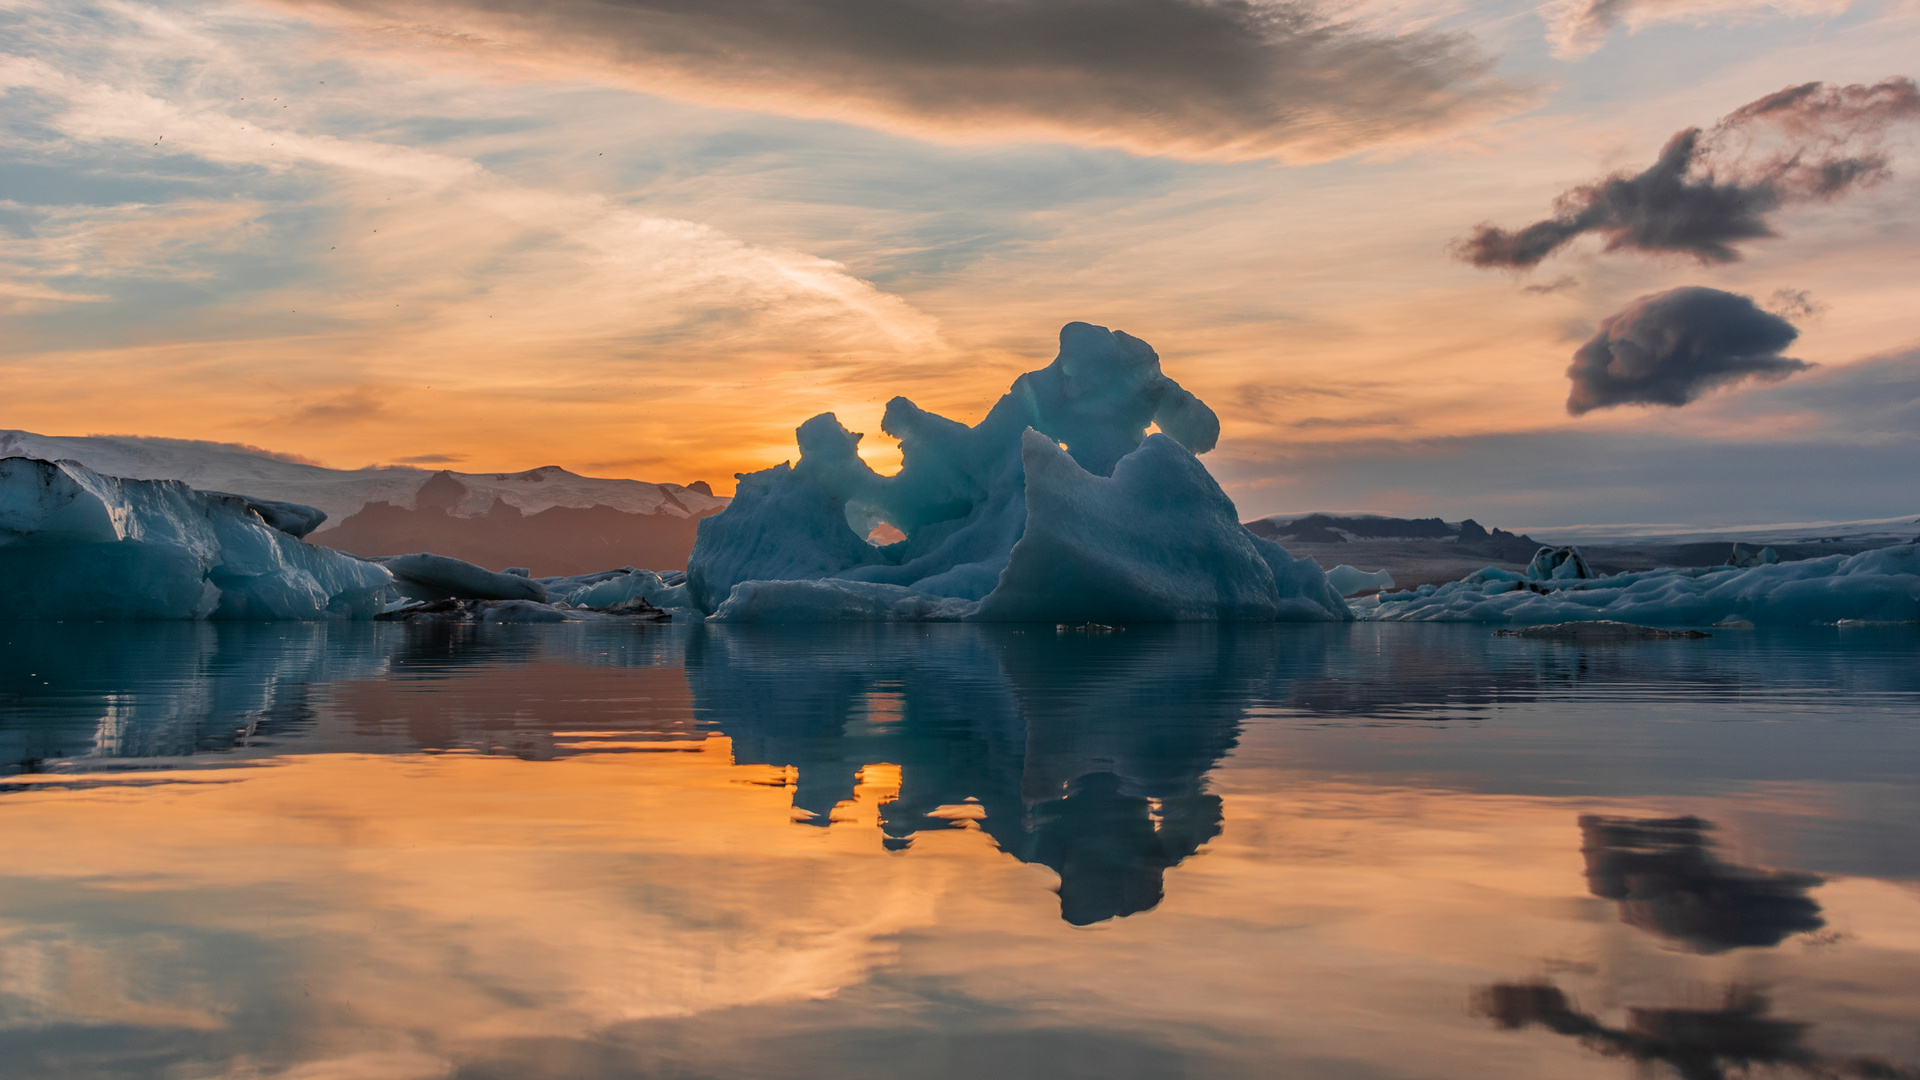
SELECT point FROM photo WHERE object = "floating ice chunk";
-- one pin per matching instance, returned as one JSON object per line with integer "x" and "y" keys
{"x": 1348, "y": 580}
{"x": 619, "y": 587}
{"x": 1745, "y": 557}
{"x": 1559, "y": 564}
{"x": 964, "y": 500}
{"x": 78, "y": 545}
{"x": 1878, "y": 586}
{"x": 425, "y": 576}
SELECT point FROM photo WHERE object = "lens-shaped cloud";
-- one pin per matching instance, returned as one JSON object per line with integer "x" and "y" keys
{"x": 1669, "y": 348}
{"x": 1711, "y": 189}
{"x": 1194, "y": 78}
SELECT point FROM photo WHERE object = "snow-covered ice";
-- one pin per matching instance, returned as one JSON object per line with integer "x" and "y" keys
{"x": 1057, "y": 507}
{"x": 1874, "y": 586}
{"x": 78, "y": 545}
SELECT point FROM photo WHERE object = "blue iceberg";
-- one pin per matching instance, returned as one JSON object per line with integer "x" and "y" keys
{"x": 78, "y": 545}
{"x": 1058, "y": 507}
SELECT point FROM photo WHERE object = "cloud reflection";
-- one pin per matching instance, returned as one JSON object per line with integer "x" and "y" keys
{"x": 1699, "y": 1044}
{"x": 1668, "y": 882}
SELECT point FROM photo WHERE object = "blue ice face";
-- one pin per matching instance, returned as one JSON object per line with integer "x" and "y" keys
{"x": 1123, "y": 528}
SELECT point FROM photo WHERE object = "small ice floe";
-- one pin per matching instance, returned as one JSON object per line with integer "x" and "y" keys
{"x": 425, "y": 576}
{"x": 1599, "y": 631}
{"x": 519, "y": 611}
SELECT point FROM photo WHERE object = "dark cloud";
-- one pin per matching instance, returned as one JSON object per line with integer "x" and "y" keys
{"x": 431, "y": 459}
{"x": 1204, "y": 78}
{"x": 1668, "y": 882}
{"x": 1711, "y": 189}
{"x": 1697, "y": 1044}
{"x": 1559, "y": 284}
{"x": 1795, "y": 304}
{"x": 1671, "y": 347}
{"x": 344, "y": 408}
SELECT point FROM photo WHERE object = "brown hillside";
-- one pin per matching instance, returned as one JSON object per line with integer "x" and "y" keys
{"x": 558, "y": 540}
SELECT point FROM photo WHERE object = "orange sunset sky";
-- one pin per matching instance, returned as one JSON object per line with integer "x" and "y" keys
{"x": 648, "y": 239}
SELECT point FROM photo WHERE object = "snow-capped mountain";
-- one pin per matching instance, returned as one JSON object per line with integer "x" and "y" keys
{"x": 548, "y": 519}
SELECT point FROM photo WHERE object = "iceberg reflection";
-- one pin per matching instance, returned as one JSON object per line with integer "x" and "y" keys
{"x": 1086, "y": 755}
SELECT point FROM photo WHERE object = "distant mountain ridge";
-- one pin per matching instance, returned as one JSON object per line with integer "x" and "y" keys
{"x": 548, "y": 519}
{"x": 1466, "y": 536}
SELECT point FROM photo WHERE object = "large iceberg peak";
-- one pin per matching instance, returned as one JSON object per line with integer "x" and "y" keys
{"x": 1158, "y": 541}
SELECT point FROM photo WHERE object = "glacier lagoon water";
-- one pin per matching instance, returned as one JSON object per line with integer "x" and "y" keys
{"x": 388, "y": 852}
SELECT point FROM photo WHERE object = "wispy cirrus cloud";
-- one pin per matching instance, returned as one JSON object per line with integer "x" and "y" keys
{"x": 1578, "y": 27}
{"x": 1223, "y": 79}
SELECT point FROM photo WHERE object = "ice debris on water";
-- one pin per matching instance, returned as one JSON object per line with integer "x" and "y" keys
{"x": 1600, "y": 631}
{"x": 1880, "y": 586}
{"x": 1057, "y": 507}
{"x": 518, "y": 611}
{"x": 78, "y": 545}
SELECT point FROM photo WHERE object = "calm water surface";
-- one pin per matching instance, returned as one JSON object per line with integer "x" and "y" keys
{"x": 391, "y": 852}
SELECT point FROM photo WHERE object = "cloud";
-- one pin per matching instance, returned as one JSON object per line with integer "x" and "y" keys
{"x": 1795, "y": 304}
{"x": 1667, "y": 881}
{"x": 1669, "y": 348}
{"x": 1577, "y": 27}
{"x": 353, "y": 406}
{"x": 1875, "y": 401}
{"x": 1698, "y": 1044}
{"x": 1711, "y": 189}
{"x": 1559, "y": 284}
{"x": 1235, "y": 79}
{"x": 431, "y": 459}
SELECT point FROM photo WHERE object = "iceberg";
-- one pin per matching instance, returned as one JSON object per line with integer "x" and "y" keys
{"x": 78, "y": 545}
{"x": 424, "y": 576}
{"x": 1057, "y": 507}
{"x": 1349, "y": 580}
{"x": 1879, "y": 586}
